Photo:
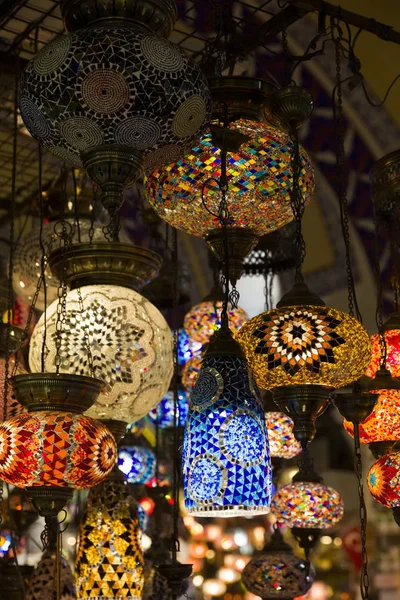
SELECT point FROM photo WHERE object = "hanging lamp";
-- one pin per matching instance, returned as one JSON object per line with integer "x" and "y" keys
{"x": 185, "y": 193}
{"x": 53, "y": 449}
{"x": 276, "y": 573}
{"x": 164, "y": 413}
{"x": 136, "y": 460}
{"x": 113, "y": 95}
{"x": 109, "y": 561}
{"x": 282, "y": 443}
{"x": 130, "y": 341}
{"x": 383, "y": 481}
{"x": 190, "y": 372}
{"x": 11, "y": 407}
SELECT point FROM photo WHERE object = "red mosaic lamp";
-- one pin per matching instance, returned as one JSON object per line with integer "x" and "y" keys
{"x": 384, "y": 482}
{"x": 53, "y": 448}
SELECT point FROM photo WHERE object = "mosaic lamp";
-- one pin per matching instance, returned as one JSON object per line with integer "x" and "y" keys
{"x": 113, "y": 95}
{"x": 164, "y": 413}
{"x": 204, "y": 319}
{"x": 190, "y": 372}
{"x": 282, "y": 443}
{"x": 109, "y": 561}
{"x": 12, "y": 407}
{"x": 226, "y": 462}
{"x": 276, "y": 572}
{"x": 383, "y": 481}
{"x": 185, "y": 193}
{"x": 53, "y": 448}
{"x": 381, "y": 429}
{"x": 137, "y": 461}
{"x": 302, "y": 350}
{"x": 130, "y": 342}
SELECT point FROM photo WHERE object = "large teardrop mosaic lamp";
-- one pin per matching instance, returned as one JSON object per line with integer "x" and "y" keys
{"x": 131, "y": 343}
{"x": 258, "y": 172}
{"x": 226, "y": 462}
{"x": 113, "y": 95}
{"x": 53, "y": 448}
{"x": 302, "y": 350}
{"x": 276, "y": 573}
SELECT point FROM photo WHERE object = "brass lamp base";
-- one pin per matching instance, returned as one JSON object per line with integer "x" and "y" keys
{"x": 104, "y": 263}
{"x": 379, "y": 449}
{"x": 237, "y": 97}
{"x": 175, "y": 574}
{"x": 303, "y": 404}
{"x": 240, "y": 243}
{"x": 355, "y": 407}
{"x": 49, "y": 391}
{"x": 49, "y": 501}
{"x": 291, "y": 106}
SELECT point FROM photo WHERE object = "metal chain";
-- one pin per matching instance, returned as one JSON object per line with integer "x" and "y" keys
{"x": 112, "y": 229}
{"x": 379, "y": 290}
{"x": 175, "y": 547}
{"x": 364, "y": 580}
{"x": 339, "y": 126}
{"x": 297, "y": 202}
{"x": 62, "y": 296}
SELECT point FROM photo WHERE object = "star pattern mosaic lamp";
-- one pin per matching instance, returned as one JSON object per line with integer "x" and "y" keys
{"x": 226, "y": 462}
{"x": 109, "y": 562}
{"x": 282, "y": 443}
{"x": 43, "y": 582}
{"x": 306, "y": 504}
{"x": 164, "y": 413}
{"x": 276, "y": 572}
{"x": 204, "y": 319}
{"x": 131, "y": 344}
{"x": 52, "y": 449}
{"x": 88, "y": 107}
{"x": 137, "y": 462}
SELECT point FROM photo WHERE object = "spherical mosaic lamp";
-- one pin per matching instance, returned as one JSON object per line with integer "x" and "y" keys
{"x": 302, "y": 350}
{"x": 282, "y": 443}
{"x": 43, "y": 582}
{"x": 113, "y": 94}
{"x": 190, "y": 372}
{"x": 226, "y": 462}
{"x": 204, "y": 319}
{"x": 130, "y": 342}
{"x": 276, "y": 572}
{"x": 109, "y": 562}
{"x": 186, "y": 194}
{"x": 137, "y": 462}
{"x": 164, "y": 413}
{"x": 53, "y": 449}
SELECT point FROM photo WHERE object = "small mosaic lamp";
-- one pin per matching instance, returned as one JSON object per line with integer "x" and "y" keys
{"x": 136, "y": 460}
{"x": 131, "y": 344}
{"x": 302, "y": 350}
{"x": 53, "y": 449}
{"x": 186, "y": 195}
{"x": 204, "y": 319}
{"x": 383, "y": 481}
{"x": 282, "y": 443}
{"x": 276, "y": 572}
{"x": 109, "y": 561}
{"x": 190, "y": 372}
{"x": 226, "y": 462}
{"x": 164, "y": 413}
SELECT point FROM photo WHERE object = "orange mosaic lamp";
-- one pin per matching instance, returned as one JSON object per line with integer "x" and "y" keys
{"x": 190, "y": 372}
{"x": 383, "y": 481}
{"x": 204, "y": 319}
{"x": 53, "y": 448}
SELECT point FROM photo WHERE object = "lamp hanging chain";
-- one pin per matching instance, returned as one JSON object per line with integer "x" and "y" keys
{"x": 175, "y": 546}
{"x": 379, "y": 290}
{"x": 339, "y": 129}
{"x": 364, "y": 580}
{"x": 297, "y": 202}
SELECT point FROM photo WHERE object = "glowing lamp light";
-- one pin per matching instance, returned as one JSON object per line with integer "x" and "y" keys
{"x": 228, "y": 575}
{"x": 226, "y": 462}
{"x": 164, "y": 413}
{"x": 282, "y": 442}
{"x": 109, "y": 561}
{"x": 204, "y": 319}
{"x": 259, "y": 183}
{"x": 43, "y": 581}
{"x": 307, "y": 505}
{"x": 138, "y": 463}
{"x": 384, "y": 421}
{"x": 214, "y": 587}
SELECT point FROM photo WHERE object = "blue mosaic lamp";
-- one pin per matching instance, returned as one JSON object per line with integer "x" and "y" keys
{"x": 226, "y": 460}
{"x": 138, "y": 463}
{"x": 165, "y": 410}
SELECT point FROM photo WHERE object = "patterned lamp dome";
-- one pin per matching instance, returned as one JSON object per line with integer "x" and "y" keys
{"x": 190, "y": 372}
{"x": 384, "y": 480}
{"x": 137, "y": 462}
{"x": 259, "y": 180}
{"x": 43, "y": 582}
{"x": 131, "y": 346}
{"x": 115, "y": 84}
{"x": 204, "y": 319}
{"x": 308, "y": 505}
{"x": 392, "y": 340}
{"x": 282, "y": 442}
{"x": 164, "y": 413}
{"x": 226, "y": 463}
{"x": 109, "y": 562}
{"x": 383, "y": 423}
{"x": 305, "y": 344}
{"x": 52, "y": 445}
{"x": 277, "y": 573}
